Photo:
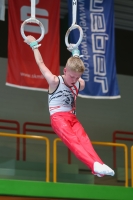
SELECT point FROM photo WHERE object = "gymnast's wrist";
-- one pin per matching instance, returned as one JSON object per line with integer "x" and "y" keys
{"x": 34, "y": 45}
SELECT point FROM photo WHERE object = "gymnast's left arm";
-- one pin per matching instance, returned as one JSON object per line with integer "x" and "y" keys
{"x": 82, "y": 84}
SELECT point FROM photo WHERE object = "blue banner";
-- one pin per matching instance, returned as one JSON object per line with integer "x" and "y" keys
{"x": 97, "y": 21}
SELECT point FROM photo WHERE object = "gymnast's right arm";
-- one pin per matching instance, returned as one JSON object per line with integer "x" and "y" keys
{"x": 51, "y": 78}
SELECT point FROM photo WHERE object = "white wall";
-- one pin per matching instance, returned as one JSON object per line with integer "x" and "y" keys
{"x": 99, "y": 117}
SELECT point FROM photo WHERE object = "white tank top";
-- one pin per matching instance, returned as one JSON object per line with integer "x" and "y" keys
{"x": 63, "y": 99}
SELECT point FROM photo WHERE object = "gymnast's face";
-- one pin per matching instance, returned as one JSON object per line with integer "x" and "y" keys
{"x": 70, "y": 76}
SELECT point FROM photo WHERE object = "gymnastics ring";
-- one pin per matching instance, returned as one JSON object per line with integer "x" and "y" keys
{"x": 68, "y": 32}
{"x": 33, "y": 20}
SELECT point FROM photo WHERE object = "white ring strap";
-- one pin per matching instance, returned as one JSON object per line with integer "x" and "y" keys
{"x": 32, "y": 19}
{"x": 32, "y": 8}
{"x": 74, "y": 12}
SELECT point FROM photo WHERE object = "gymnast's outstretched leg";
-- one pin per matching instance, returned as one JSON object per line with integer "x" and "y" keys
{"x": 67, "y": 127}
{"x": 85, "y": 142}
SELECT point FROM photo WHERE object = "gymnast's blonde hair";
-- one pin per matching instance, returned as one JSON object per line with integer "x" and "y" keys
{"x": 75, "y": 64}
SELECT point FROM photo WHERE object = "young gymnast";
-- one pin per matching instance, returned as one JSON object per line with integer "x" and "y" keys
{"x": 63, "y": 91}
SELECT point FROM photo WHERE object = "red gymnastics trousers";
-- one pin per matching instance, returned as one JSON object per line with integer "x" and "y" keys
{"x": 73, "y": 135}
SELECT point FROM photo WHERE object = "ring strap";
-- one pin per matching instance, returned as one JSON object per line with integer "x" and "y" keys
{"x": 32, "y": 8}
{"x": 74, "y": 12}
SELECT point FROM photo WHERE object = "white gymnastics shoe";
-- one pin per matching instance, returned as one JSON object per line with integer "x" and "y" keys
{"x": 109, "y": 170}
{"x": 102, "y": 169}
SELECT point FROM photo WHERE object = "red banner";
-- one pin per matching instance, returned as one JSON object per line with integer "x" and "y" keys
{"x": 23, "y": 71}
